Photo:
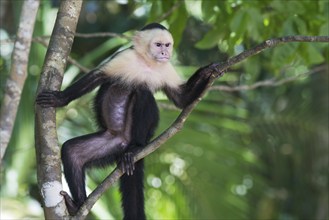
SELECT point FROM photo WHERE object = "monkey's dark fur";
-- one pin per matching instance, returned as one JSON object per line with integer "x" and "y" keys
{"x": 127, "y": 115}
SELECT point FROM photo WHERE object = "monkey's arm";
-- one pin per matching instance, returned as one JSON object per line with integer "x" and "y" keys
{"x": 61, "y": 98}
{"x": 192, "y": 89}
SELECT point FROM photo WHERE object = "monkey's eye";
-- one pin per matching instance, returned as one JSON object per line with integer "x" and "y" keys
{"x": 167, "y": 44}
{"x": 158, "y": 44}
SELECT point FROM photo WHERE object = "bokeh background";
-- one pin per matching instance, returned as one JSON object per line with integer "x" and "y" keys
{"x": 246, "y": 154}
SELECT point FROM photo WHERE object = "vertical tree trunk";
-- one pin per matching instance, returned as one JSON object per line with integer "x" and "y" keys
{"x": 47, "y": 149}
{"x": 18, "y": 72}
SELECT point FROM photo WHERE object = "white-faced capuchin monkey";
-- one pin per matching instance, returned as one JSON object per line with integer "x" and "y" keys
{"x": 126, "y": 112}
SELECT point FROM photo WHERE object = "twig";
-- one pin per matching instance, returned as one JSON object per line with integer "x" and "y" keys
{"x": 101, "y": 34}
{"x": 171, "y": 10}
{"x": 167, "y": 106}
{"x": 43, "y": 41}
{"x": 268, "y": 83}
{"x": 40, "y": 39}
{"x": 94, "y": 35}
{"x": 217, "y": 70}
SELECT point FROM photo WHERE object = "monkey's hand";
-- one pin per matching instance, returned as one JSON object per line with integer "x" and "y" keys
{"x": 126, "y": 163}
{"x": 212, "y": 70}
{"x": 48, "y": 99}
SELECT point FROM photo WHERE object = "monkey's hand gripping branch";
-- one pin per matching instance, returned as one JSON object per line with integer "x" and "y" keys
{"x": 48, "y": 99}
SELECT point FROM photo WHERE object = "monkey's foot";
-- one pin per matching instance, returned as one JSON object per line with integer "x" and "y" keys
{"x": 127, "y": 163}
{"x": 70, "y": 204}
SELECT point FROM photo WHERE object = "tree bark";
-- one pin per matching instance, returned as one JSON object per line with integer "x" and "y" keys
{"x": 18, "y": 72}
{"x": 47, "y": 149}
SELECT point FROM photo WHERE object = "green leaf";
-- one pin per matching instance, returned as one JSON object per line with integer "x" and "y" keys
{"x": 314, "y": 55}
{"x": 237, "y": 20}
{"x": 288, "y": 27}
{"x": 255, "y": 22}
{"x": 252, "y": 67}
{"x": 324, "y": 30}
{"x": 289, "y": 7}
{"x": 300, "y": 26}
{"x": 208, "y": 11}
{"x": 284, "y": 54}
{"x": 210, "y": 40}
{"x": 177, "y": 25}
{"x": 156, "y": 11}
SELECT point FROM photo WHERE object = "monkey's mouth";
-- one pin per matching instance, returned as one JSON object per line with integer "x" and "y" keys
{"x": 163, "y": 59}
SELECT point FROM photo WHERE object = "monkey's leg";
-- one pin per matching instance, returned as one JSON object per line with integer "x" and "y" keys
{"x": 80, "y": 151}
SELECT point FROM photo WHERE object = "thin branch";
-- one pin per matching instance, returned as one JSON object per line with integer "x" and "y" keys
{"x": 217, "y": 70}
{"x": 44, "y": 38}
{"x": 18, "y": 72}
{"x": 170, "y": 11}
{"x": 101, "y": 34}
{"x": 268, "y": 83}
{"x": 91, "y": 35}
{"x": 43, "y": 41}
{"x": 167, "y": 106}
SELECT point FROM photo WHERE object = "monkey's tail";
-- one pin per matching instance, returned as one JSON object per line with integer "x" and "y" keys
{"x": 132, "y": 191}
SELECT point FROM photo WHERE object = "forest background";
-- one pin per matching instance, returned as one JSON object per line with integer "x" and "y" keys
{"x": 256, "y": 146}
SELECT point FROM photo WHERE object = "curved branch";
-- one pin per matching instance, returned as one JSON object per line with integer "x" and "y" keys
{"x": 18, "y": 72}
{"x": 266, "y": 45}
{"x": 217, "y": 70}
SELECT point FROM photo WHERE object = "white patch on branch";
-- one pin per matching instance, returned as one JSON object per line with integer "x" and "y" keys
{"x": 50, "y": 192}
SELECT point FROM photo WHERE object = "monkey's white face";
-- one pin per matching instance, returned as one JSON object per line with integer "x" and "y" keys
{"x": 155, "y": 45}
{"x": 161, "y": 51}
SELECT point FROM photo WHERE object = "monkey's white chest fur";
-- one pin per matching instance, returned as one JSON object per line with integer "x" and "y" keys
{"x": 133, "y": 69}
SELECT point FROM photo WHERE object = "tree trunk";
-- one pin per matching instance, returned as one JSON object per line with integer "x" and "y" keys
{"x": 47, "y": 149}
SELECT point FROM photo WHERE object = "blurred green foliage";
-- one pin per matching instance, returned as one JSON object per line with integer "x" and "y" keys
{"x": 259, "y": 154}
